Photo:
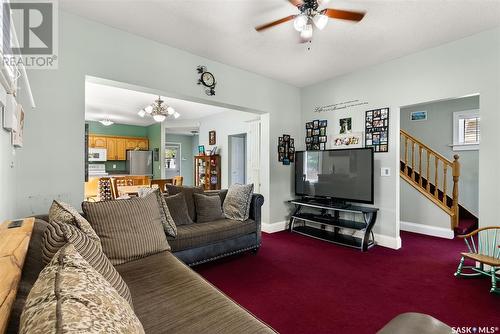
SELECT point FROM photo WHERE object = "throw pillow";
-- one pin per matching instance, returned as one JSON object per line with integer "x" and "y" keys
{"x": 129, "y": 229}
{"x": 57, "y": 234}
{"x": 237, "y": 203}
{"x": 208, "y": 208}
{"x": 178, "y": 209}
{"x": 70, "y": 296}
{"x": 65, "y": 213}
{"x": 166, "y": 219}
{"x": 188, "y": 196}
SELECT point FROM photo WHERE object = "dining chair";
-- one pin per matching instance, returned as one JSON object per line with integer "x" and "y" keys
{"x": 178, "y": 180}
{"x": 161, "y": 183}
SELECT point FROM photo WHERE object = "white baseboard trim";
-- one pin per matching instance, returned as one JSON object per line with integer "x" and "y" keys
{"x": 434, "y": 231}
{"x": 386, "y": 241}
{"x": 274, "y": 227}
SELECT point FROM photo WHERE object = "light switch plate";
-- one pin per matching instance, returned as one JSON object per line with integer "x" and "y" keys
{"x": 385, "y": 171}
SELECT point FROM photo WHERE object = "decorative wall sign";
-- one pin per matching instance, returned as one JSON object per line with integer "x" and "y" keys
{"x": 377, "y": 129}
{"x": 418, "y": 116}
{"x": 286, "y": 149}
{"x": 345, "y": 125}
{"x": 211, "y": 137}
{"x": 316, "y": 135}
{"x": 340, "y": 106}
{"x": 206, "y": 79}
{"x": 351, "y": 140}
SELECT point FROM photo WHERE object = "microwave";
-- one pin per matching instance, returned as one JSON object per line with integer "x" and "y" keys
{"x": 97, "y": 154}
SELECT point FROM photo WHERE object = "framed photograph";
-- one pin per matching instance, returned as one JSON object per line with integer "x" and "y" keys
{"x": 345, "y": 125}
{"x": 286, "y": 138}
{"x": 211, "y": 137}
{"x": 377, "y": 129}
{"x": 309, "y": 125}
{"x": 418, "y": 116}
{"x": 286, "y": 161}
{"x": 315, "y": 124}
{"x": 201, "y": 149}
{"x": 323, "y": 123}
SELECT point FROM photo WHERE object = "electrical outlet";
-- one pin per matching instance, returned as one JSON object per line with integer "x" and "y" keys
{"x": 114, "y": 166}
{"x": 384, "y": 171}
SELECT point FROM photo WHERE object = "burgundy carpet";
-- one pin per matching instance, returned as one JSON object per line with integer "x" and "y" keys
{"x": 298, "y": 284}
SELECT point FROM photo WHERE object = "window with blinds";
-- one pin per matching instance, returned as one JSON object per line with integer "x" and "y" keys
{"x": 466, "y": 130}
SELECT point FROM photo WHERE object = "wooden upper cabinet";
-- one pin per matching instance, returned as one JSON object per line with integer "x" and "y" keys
{"x": 99, "y": 142}
{"x": 117, "y": 146}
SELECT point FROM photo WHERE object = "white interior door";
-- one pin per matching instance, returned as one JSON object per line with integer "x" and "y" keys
{"x": 172, "y": 160}
{"x": 254, "y": 143}
{"x": 237, "y": 164}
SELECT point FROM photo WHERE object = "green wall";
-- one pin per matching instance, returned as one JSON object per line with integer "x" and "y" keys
{"x": 152, "y": 132}
{"x": 187, "y": 157}
{"x": 154, "y": 136}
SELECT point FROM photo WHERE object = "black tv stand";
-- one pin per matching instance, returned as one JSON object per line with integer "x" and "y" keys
{"x": 326, "y": 223}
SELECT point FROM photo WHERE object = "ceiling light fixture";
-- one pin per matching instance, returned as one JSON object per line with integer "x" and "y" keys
{"x": 106, "y": 122}
{"x": 307, "y": 32}
{"x": 320, "y": 21}
{"x": 300, "y": 22}
{"x": 159, "y": 111}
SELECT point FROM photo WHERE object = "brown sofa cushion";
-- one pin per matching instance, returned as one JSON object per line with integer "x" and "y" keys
{"x": 208, "y": 208}
{"x": 129, "y": 229}
{"x": 178, "y": 209}
{"x": 69, "y": 296}
{"x": 171, "y": 298}
{"x": 195, "y": 235}
{"x": 57, "y": 235}
{"x": 188, "y": 196}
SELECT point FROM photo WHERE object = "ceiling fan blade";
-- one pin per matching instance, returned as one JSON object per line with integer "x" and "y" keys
{"x": 275, "y": 23}
{"x": 296, "y": 3}
{"x": 343, "y": 14}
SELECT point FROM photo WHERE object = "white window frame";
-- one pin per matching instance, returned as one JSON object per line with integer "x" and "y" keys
{"x": 457, "y": 116}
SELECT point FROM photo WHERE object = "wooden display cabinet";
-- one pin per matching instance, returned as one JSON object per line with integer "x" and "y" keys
{"x": 207, "y": 171}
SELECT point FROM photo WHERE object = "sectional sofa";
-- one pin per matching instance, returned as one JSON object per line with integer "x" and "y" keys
{"x": 169, "y": 297}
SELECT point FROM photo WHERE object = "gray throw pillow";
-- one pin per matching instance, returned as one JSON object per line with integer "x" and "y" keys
{"x": 129, "y": 229}
{"x": 208, "y": 208}
{"x": 237, "y": 203}
{"x": 178, "y": 209}
{"x": 188, "y": 197}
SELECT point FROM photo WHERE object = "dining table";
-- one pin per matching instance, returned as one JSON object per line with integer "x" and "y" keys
{"x": 130, "y": 190}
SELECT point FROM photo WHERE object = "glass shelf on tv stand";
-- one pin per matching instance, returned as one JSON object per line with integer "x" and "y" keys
{"x": 325, "y": 218}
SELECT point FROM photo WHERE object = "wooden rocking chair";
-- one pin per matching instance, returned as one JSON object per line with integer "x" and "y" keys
{"x": 486, "y": 252}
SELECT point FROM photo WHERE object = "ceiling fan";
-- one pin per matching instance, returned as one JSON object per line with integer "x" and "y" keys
{"x": 310, "y": 15}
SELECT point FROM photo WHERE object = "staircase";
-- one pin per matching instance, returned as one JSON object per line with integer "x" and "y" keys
{"x": 429, "y": 172}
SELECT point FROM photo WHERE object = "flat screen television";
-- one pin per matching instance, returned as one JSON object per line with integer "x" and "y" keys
{"x": 340, "y": 175}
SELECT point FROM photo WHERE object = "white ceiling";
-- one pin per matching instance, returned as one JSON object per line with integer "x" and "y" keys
{"x": 223, "y": 30}
{"x": 121, "y": 106}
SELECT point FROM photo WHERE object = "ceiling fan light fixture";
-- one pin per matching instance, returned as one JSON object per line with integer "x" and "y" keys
{"x": 307, "y": 32}
{"x": 106, "y": 122}
{"x": 320, "y": 21}
{"x": 149, "y": 109}
{"x": 300, "y": 22}
{"x": 176, "y": 115}
{"x": 141, "y": 113}
{"x": 170, "y": 111}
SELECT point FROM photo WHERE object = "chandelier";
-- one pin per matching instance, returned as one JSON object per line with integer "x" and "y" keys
{"x": 159, "y": 111}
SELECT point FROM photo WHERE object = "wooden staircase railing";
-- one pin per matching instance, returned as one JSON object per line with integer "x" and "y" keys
{"x": 427, "y": 171}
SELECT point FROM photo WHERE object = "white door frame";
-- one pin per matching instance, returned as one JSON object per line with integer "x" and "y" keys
{"x": 180, "y": 157}
{"x": 245, "y": 157}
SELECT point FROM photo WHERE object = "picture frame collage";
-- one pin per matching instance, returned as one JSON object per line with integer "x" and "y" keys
{"x": 286, "y": 149}
{"x": 377, "y": 129}
{"x": 316, "y": 137}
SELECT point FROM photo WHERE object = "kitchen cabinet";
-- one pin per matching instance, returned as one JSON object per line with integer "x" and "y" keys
{"x": 117, "y": 146}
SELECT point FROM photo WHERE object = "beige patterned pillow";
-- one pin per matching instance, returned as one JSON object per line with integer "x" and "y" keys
{"x": 237, "y": 202}
{"x": 69, "y": 296}
{"x": 65, "y": 213}
{"x": 56, "y": 235}
{"x": 166, "y": 218}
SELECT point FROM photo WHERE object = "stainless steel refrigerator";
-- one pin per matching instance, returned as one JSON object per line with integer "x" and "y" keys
{"x": 140, "y": 163}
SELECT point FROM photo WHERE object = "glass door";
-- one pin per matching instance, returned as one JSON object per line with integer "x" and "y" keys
{"x": 172, "y": 160}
